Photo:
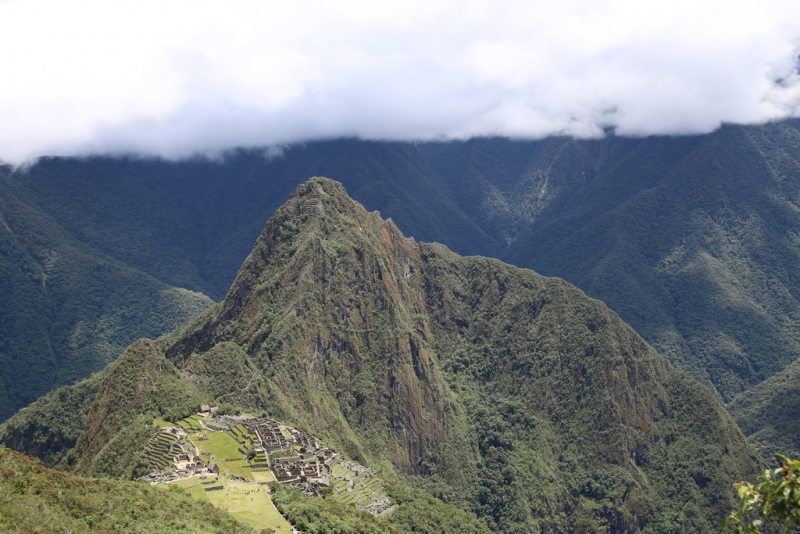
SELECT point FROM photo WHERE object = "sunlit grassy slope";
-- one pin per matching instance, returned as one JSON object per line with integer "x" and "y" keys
{"x": 37, "y": 499}
{"x": 249, "y": 503}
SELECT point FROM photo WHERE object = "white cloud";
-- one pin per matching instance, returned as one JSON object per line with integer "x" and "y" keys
{"x": 177, "y": 78}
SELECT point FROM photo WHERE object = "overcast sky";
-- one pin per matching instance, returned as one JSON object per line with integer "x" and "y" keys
{"x": 176, "y": 78}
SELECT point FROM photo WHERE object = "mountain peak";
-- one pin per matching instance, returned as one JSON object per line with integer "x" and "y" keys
{"x": 317, "y": 229}
{"x": 512, "y": 394}
{"x": 318, "y": 195}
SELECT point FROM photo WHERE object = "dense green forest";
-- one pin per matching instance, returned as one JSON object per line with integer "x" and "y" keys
{"x": 415, "y": 513}
{"x": 692, "y": 240}
{"x": 769, "y": 414}
{"x": 509, "y": 395}
{"x": 69, "y": 309}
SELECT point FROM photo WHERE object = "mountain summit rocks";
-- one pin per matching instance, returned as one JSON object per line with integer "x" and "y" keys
{"x": 507, "y": 393}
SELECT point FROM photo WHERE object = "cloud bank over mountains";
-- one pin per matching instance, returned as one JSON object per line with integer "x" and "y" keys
{"x": 173, "y": 79}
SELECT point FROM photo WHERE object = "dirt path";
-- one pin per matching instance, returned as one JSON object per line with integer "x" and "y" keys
{"x": 3, "y": 220}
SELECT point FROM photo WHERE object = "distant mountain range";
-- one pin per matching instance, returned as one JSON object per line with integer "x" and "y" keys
{"x": 692, "y": 240}
{"x": 511, "y": 395}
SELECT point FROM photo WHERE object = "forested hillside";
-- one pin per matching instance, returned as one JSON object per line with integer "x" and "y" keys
{"x": 67, "y": 308}
{"x": 769, "y": 413}
{"x": 514, "y": 396}
{"x": 692, "y": 240}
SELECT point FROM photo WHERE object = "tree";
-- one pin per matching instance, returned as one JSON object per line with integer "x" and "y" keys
{"x": 776, "y": 499}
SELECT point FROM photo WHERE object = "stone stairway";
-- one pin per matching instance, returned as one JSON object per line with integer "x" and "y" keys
{"x": 310, "y": 205}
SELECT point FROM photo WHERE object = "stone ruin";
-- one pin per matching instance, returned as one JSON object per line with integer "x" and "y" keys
{"x": 293, "y": 455}
{"x": 172, "y": 456}
{"x": 299, "y": 459}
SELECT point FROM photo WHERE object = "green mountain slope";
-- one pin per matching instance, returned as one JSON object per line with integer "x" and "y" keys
{"x": 693, "y": 242}
{"x": 769, "y": 413}
{"x": 68, "y": 310}
{"x": 691, "y": 239}
{"x": 509, "y": 394}
{"x": 36, "y": 499}
{"x": 100, "y": 426}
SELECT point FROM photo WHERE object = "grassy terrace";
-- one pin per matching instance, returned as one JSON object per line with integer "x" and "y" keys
{"x": 160, "y": 423}
{"x": 226, "y": 453}
{"x": 191, "y": 423}
{"x": 250, "y": 504}
{"x": 247, "y": 502}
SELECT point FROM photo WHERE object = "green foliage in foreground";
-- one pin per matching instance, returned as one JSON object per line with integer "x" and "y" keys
{"x": 36, "y": 499}
{"x": 776, "y": 500}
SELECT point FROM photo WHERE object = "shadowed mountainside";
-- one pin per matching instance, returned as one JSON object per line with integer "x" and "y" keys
{"x": 769, "y": 413}
{"x": 69, "y": 309}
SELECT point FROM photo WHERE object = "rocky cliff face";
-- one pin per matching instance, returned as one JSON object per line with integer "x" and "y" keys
{"x": 508, "y": 393}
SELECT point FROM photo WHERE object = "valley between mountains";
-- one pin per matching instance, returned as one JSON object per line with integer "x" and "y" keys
{"x": 478, "y": 393}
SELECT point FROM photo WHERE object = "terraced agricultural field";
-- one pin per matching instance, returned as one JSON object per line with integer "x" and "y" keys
{"x": 158, "y": 450}
{"x": 191, "y": 423}
{"x": 365, "y": 489}
{"x": 228, "y": 449}
{"x": 243, "y": 435}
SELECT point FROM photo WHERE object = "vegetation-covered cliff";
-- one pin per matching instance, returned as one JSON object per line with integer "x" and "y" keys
{"x": 512, "y": 395}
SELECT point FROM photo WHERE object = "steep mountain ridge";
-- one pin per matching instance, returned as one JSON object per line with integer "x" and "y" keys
{"x": 99, "y": 426}
{"x": 507, "y": 393}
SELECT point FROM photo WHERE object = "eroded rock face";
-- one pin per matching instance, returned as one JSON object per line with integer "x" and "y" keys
{"x": 508, "y": 393}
